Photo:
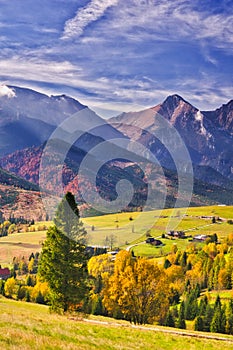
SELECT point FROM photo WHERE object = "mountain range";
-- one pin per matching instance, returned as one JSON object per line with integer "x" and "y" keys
{"x": 28, "y": 119}
{"x": 208, "y": 135}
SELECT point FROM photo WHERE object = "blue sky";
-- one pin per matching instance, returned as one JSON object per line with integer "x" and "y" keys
{"x": 118, "y": 55}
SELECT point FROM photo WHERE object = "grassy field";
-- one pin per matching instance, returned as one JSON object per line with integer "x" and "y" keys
{"x": 20, "y": 244}
{"x": 225, "y": 295}
{"x": 128, "y": 231}
{"x": 28, "y": 326}
{"x": 149, "y": 250}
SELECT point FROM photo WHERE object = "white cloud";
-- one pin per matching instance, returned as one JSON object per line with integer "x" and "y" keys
{"x": 6, "y": 91}
{"x": 170, "y": 21}
{"x": 90, "y": 13}
{"x": 52, "y": 72}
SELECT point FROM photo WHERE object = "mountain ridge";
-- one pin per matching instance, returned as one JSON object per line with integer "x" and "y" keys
{"x": 209, "y": 144}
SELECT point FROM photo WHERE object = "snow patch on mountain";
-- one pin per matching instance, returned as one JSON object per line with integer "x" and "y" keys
{"x": 5, "y": 91}
{"x": 202, "y": 130}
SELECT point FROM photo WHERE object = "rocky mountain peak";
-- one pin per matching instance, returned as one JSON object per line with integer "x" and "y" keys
{"x": 174, "y": 108}
{"x": 222, "y": 117}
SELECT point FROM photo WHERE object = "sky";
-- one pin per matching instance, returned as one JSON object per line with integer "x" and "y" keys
{"x": 120, "y": 55}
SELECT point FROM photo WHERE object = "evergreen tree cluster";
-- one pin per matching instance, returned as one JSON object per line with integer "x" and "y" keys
{"x": 208, "y": 317}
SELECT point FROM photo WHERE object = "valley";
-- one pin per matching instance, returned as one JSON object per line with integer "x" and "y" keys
{"x": 124, "y": 232}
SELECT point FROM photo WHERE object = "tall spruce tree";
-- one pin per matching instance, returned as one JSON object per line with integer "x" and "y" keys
{"x": 181, "y": 319}
{"x": 218, "y": 323}
{"x": 229, "y": 318}
{"x": 208, "y": 317}
{"x": 199, "y": 324}
{"x": 169, "y": 322}
{"x": 63, "y": 261}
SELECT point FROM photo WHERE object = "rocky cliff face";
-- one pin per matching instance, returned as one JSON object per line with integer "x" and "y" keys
{"x": 207, "y": 135}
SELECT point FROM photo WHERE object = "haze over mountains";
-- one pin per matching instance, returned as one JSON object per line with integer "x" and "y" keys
{"x": 28, "y": 118}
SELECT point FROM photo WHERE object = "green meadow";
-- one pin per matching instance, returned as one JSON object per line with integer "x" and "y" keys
{"x": 128, "y": 229}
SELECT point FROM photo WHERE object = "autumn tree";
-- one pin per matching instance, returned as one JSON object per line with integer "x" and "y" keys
{"x": 63, "y": 261}
{"x": 100, "y": 268}
{"x": 11, "y": 287}
{"x": 138, "y": 289}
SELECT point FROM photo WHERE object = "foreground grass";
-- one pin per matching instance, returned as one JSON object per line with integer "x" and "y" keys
{"x": 29, "y": 326}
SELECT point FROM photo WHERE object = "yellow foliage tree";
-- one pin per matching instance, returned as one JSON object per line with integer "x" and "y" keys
{"x": 100, "y": 265}
{"x": 138, "y": 288}
{"x": 11, "y": 287}
{"x": 175, "y": 273}
{"x": 195, "y": 276}
{"x": 41, "y": 288}
{"x": 31, "y": 265}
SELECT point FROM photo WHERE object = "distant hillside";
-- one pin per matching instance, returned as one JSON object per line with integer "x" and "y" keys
{"x": 19, "y": 197}
{"x": 19, "y": 202}
{"x": 11, "y": 179}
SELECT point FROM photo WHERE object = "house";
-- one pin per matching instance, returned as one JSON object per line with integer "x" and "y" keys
{"x": 153, "y": 241}
{"x": 113, "y": 254}
{"x": 150, "y": 240}
{"x": 177, "y": 234}
{"x": 96, "y": 250}
{"x": 200, "y": 238}
{"x": 4, "y": 273}
{"x": 157, "y": 243}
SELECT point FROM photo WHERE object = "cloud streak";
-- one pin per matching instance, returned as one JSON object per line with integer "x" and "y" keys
{"x": 92, "y": 12}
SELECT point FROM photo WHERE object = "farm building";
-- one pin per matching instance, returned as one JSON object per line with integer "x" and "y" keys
{"x": 153, "y": 241}
{"x": 4, "y": 273}
{"x": 177, "y": 234}
{"x": 200, "y": 238}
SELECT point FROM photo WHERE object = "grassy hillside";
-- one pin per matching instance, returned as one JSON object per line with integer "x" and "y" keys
{"x": 20, "y": 244}
{"x": 128, "y": 231}
{"x": 31, "y": 327}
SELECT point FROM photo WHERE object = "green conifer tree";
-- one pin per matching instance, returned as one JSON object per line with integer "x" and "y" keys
{"x": 63, "y": 261}
{"x": 169, "y": 322}
{"x": 199, "y": 324}
{"x": 181, "y": 319}
{"x": 208, "y": 318}
{"x": 218, "y": 323}
{"x": 229, "y": 318}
